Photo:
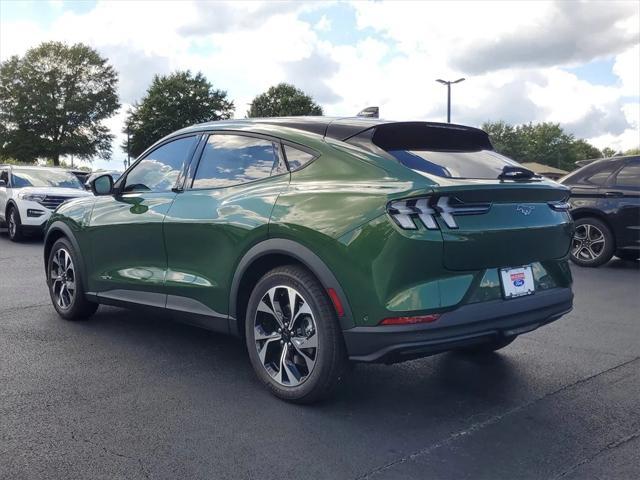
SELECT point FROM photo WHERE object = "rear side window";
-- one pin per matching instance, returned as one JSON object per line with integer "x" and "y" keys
{"x": 159, "y": 170}
{"x": 4, "y": 175}
{"x": 297, "y": 158}
{"x": 629, "y": 176}
{"x": 480, "y": 164}
{"x": 600, "y": 177}
{"x": 234, "y": 159}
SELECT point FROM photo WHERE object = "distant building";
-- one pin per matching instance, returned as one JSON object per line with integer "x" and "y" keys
{"x": 545, "y": 170}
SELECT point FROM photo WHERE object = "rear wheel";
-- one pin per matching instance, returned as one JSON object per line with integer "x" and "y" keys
{"x": 64, "y": 279}
{"x": 489, "y": 347}
{"x": 14, "y": 225}
{"x": 293, "y": 336}
{"x": 592, "y": 243}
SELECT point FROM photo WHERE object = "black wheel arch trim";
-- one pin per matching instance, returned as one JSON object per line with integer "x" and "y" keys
{"x": 67, "y": 232}
{"x": 298, "y": 252}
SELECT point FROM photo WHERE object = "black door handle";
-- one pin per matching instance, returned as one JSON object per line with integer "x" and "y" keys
{"x": 613, "y": 194}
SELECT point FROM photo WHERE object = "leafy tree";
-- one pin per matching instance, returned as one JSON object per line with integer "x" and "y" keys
{"x": 281, "y": 101}
{"x": 172, "y": 102}
{"x": 633, "y": 151}
{"x": 546, "y": 143}
{"x": 608, "y": 152}
{"x": 52, "y": 103}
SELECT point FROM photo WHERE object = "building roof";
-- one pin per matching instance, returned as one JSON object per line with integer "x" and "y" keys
{"x": 542, "y": 169}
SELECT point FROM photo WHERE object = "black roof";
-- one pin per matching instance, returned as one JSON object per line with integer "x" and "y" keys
{"x": 338, "y": 128}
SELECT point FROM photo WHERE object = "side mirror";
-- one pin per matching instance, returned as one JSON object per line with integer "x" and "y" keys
{"x": 3, "y": 183}
{"x": 102, "y": 185}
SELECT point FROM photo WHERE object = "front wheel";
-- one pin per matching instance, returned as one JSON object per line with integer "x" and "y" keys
{"x": 64, "y": 279}
{"x": 293, "y": 337}
{"x": 14, "y": 225}
{"x": 592, "y": 244}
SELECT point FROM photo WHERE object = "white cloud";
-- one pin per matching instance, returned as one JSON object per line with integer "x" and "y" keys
{"x": 517, "y": 50}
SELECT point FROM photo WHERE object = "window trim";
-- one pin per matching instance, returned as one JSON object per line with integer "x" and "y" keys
{"x": 281, "y": 158}
{"x": 122, "y": 181}
{"x": 302, "y": 148}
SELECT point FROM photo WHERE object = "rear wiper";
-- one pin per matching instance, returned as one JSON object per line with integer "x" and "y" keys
{"x": 516, "y": 173}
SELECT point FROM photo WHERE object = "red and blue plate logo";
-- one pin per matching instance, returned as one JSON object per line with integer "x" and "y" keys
{"x": 517, "y": 279}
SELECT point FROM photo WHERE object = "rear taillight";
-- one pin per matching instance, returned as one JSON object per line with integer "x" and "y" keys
{"x": 410, "y": 320}
{"x": 560, "y": 206}
{"x": 404, "y": 212}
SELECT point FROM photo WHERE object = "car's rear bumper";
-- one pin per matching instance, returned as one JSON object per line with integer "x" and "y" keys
{"x": 468, "y": 325}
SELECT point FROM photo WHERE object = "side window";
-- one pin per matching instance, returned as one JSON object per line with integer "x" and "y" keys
{"x": 600, "y": 177}
{"x": 234, "y": 159}
{"x": 629, "y": 176}
{"x": 4, "y": 175}
{"x": 159, "y": 170}
{"x": 297, "y": 158}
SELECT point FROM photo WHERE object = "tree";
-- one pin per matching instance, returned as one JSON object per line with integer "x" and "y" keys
{"x": 608, "y": 152}
{"x": 173, "y": 102}
{"x": 546, "y": 143}
{"x": 281, "y": 101}
{"x": 632, "y": 151}
{"x": 53, "y": 101}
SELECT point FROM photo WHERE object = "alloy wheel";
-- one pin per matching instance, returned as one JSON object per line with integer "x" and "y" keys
{"x": 286, "y": 336}
{"x": 12, "y": 224}
{"x": 63, "y": 278}
{"x": 588, "y": 242}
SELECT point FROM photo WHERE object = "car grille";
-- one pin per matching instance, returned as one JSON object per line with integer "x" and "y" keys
{"x": 53, "y": 201}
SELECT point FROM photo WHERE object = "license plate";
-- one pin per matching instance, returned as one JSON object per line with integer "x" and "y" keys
{"x": 517, "y": 282}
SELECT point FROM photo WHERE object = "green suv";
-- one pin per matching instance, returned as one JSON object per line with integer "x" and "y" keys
{"x": 322, "y": 241}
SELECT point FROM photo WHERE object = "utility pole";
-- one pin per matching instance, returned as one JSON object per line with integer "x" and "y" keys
{"x": 448, "y": 84}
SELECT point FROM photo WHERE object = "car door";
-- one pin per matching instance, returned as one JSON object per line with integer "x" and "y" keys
{"x": 623, "y": 195}
{"x": 4, "y": 194}
{"x": 588, "y": 191}
{"x": 223, "y": 211}
{"x": 129, "y": 259}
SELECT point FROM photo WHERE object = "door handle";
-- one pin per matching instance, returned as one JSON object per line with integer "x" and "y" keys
{"x": 613, "y": 194}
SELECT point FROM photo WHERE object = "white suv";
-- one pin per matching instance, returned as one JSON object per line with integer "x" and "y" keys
{"x": 29, "y": 195}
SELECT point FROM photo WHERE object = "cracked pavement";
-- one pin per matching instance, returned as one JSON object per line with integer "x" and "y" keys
{"x": 131, "y": 395}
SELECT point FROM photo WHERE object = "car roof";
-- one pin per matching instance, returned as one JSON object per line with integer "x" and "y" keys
{"x": 338, "y": 128}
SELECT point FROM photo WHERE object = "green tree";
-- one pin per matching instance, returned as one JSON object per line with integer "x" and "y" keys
{"x": 53, "y": 101}
{"x": 172, "y": 102}
{"x": 633, "y": 151}
{"x": 281, "y": 101}
{"x": 546, "y": 143}
{"x": 608, "y": 152}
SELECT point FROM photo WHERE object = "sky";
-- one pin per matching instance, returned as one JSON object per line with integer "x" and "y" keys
{"x": 575, "y": 63}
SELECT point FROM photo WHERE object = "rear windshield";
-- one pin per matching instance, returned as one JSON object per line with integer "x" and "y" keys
{"x": 43, "y": 178}
{"x": 481, "y": 164}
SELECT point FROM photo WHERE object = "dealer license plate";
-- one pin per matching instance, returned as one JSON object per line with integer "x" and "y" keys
{"x": 517, "y": 282}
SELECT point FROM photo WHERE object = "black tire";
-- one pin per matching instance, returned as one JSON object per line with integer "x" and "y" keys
{"x": 73, "y": 305}
{"x": 489, "y": 347}
{"x": 14, "y": 224}
{"x": 630, "y": 255}
{"x": 593, "y": 243}
{"x": 329, "y": 355}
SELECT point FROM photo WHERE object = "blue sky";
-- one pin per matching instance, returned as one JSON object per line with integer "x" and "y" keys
{"x": 567, "y": 62}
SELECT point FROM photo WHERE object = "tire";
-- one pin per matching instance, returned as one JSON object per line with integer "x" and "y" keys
{"x": 14, "y": 224}
{"x": 593, "y": 243}
{"x": 630, "y": 255}
{"x": 489, "y": 347}
{"x": 309, "y": 373}
{"x": 63, "y": 269}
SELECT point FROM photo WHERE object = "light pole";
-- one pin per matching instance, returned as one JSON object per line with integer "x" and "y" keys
{"x": 128, "y": 163}
{"x": 448, "y": 84}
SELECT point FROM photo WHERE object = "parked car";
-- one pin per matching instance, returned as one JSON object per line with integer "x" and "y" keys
{"x": 81, "y": 175}
{"x": 115, "y": 175}
{"x": 605, "y": 204}
{"x": 28, "y": 196}
{"x": 320, "y": 241}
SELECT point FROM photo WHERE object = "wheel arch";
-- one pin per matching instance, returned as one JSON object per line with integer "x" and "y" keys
{"x": 269, "y": 254}
{"x": 55, "y": 231}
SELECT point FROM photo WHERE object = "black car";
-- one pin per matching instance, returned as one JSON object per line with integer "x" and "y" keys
{"x": 605, "y": 204}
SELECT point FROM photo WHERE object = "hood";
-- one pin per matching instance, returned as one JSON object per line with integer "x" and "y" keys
{"x": 57, "y": 191}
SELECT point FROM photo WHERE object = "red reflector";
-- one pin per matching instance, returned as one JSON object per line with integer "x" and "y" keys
{"x": 337, "y": 304}
{"x": 410, "y": 320}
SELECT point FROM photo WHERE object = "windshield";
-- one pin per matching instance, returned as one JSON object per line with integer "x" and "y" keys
{"x": 43, "y": 178}
{"x": 480, "y": 164}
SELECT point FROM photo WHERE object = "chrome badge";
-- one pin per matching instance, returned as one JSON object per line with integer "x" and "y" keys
{"x": 525, "y": 209}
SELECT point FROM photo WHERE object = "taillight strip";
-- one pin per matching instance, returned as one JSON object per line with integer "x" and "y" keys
{"x": 402, "y": 210}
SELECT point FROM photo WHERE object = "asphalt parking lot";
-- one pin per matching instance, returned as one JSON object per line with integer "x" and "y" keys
{"x": 129, "y": 395}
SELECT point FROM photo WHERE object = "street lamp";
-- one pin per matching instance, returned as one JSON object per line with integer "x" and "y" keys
{"x": 448, "y": 84}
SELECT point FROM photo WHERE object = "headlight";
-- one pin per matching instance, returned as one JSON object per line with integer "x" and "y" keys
{"x": 32, "y": 197}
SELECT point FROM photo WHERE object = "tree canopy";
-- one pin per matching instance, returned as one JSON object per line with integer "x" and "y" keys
{"x": 53, "y": 101}
{"x": 172, "y": 102}
{"x": 281, "y": 101}
{"x": 546, "y": 143}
